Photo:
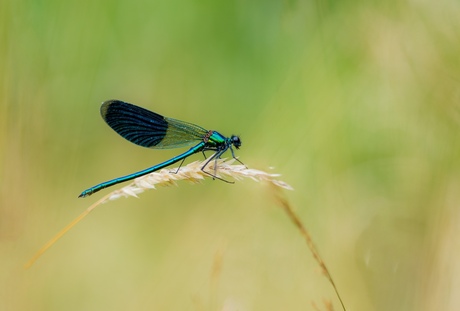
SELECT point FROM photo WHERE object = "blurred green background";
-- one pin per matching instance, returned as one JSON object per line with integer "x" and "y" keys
{"x": 355, "y": 103}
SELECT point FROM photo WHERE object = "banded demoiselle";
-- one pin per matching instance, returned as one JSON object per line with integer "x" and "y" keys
{"x": 149, "y": 129}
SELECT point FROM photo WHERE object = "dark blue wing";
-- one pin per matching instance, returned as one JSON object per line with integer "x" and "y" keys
{"x": 149, "y": 129}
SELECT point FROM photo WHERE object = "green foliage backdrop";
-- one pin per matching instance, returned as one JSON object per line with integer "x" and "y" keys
{"x": 355, "y": 103}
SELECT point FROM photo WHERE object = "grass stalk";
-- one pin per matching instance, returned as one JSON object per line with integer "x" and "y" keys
{"x": 284, "y": 204}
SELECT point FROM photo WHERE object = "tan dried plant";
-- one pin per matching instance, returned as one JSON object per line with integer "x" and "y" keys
{"x": 193, "y": 173}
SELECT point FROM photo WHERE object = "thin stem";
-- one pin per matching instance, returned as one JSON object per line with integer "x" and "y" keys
{"x": 61, "y": 233}
{"x": 298, "y": 223}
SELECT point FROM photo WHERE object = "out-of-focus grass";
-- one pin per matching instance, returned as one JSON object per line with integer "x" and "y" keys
{"x": 357, "y": 104}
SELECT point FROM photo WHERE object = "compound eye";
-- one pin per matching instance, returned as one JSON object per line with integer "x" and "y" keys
{"x": 236, "y": 141}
